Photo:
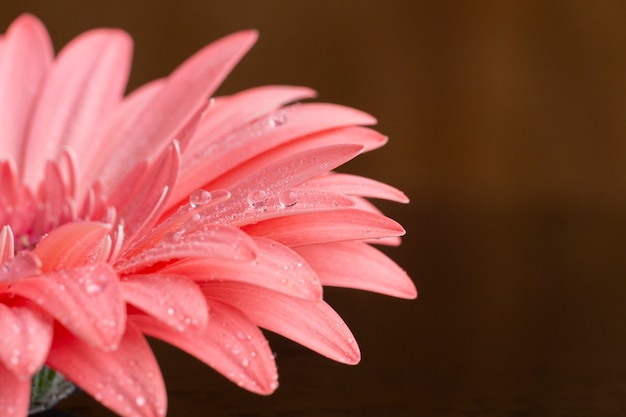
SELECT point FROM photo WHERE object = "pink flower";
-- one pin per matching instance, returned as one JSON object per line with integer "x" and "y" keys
{"x": 109, "y": 234}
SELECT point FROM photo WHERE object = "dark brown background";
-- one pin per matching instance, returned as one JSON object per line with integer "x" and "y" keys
{"x": 508, "y": 131}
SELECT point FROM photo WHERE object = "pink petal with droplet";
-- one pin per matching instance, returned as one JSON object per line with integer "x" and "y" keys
{"x": 26, "y": 55}
{"x": 128, "y": 380}
{"x": 14, "y": 395}
{"x": 231, "y": 344}
{"x": 73, "y": 244}
{"x": 211, "y": 241}
{"x": 173, "y": 299}
{"x": 356, "y": 185}
{"x": 312, "y": 324}
{"x": 183, "y": 93}
{"x": 358, "y": 265}
{"x": 326, "y": 226}
{"x": 25, "y": 340}
{"x": 273, "y": 171}
{"x": 86, "y": 300}
{"x": 243, "y": 107}
{"x": 249, "y": 140}
{"x": 366, "y": 205}
{"x": 276, "y": 267}
{"x": 85, "y": 82}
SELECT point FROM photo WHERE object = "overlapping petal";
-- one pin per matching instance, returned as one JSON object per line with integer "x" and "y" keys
{"x": 311, "y": 323}
{"x": 85, "y": 83}
{"x": 276, "y": 267}
{"x": 230, "y": 343}
{"x": 25, "y": 340}
{"x": 87, "y": 300}
{"x": 127, "y": 380}
{"x": 173, "y": 299}
{"x": 358, "y": 265}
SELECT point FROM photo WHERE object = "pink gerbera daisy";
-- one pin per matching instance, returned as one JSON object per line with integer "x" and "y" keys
{"x": 165, "y": 213}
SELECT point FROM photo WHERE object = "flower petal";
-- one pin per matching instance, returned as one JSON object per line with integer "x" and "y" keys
{"x": 173, "y": 299}
{"x": 183, "y": 93}
{"x": 312, "y": 324}
{"x": 6, "y": 244}
{"x": 356, "y": 185}
{"x": 327, "y": 226}
{"x": 26, "y": 55}
{"x": 26, "y": 338}
{"x": 231, "y": 344}
{"x": 86, "y": 81}
{"x": 277, "y": 128}
{"x": 87, "y": 300}
{"x": 140, "y": 200}
{"x": 358, "y": 265}
{"x": 212, "y": 241}
{"x": 240, "y": 108}
{"x": 128, "y": 380}
{"x": 73, "y": 244}
{"x": 276, "y": 267}
{"x": 284, "y": 171}
{"x": 14, "y": 393}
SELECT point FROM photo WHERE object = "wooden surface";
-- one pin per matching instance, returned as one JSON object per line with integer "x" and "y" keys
{"x": 507, "y": 123}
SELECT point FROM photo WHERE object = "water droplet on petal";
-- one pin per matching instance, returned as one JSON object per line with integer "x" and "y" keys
{"x": 171, "y": 311}
{"x": 245, "y": 362}
{"x": 278, "y": 119}
{"x": 140, "y": 400}
{"x": 257, "y": 198}
{"x": 287, "y": 198}
{"x": 199, "y": 197}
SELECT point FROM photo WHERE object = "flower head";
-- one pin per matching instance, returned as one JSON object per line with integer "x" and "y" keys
{"x": 175, "y": 215}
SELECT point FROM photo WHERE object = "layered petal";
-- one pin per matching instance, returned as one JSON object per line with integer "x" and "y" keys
{"x": 86, "y": 300}
{"x": 324, "y": 227}
{"x": 356, "y": 185}
{"x": 173, "y": 299}
{"x": 311, "y": 323}
{"x": 141, "y": 197}
{"x": 358, "y": 265}
{"x": 74, "y": 244}
{"x": 25, "y": 340}
{"x": 127, "y": 380}
{"x": 211, "y": 241}
{"x": 148, "y": 132}
{"x": 85, "y": 83}
{"x": 276, "y": 267}
{"x": 231, "y": 344}
{"x": 281, "y": 126}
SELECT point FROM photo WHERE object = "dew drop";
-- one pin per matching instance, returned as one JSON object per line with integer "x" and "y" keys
{"x": 140, "y": 400}
{"x": 245, "y": 362}
{"x": 278, "y": 119}
{"x": 93, "y": 287}
{"x": 199, "y": 197}
{"x": 287, "y": 198}
{"x": 257, "y": 198}
{"x": 171, "y": 311}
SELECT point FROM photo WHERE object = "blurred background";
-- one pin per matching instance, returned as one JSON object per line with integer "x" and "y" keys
{"x": 507, "y": 126}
